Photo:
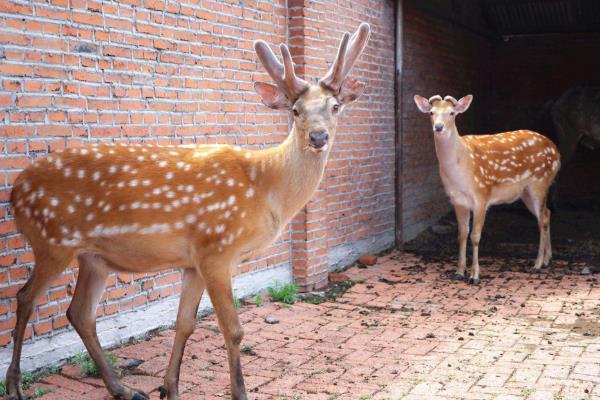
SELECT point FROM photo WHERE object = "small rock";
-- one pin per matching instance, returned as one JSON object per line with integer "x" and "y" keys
{"x": 269, "y": 319}
{"x": 132, "y": 363}
{"x": 368, "y": 260}
{"x": 586, "y": 271}
{"x": 338, "y": 277}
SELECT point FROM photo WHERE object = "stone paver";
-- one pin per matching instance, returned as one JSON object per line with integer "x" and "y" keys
{"x": 404, "y": 331}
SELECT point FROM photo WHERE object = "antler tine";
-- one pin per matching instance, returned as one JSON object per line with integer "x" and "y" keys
{"x": 434, "y": 98}
{"x": 294, "y": 84}
{"x": 348, "y": 53}
{"x": 282, "y": 74}
{"x": 266, "y": 56}
{"x": 338, "y": 64}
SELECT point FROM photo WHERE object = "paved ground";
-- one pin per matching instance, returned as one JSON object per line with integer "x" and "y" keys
{"x": 404, "y": 331}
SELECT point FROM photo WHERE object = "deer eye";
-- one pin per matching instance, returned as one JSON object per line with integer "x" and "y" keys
{"x": 430, "y": 112}
{"x": 451, "y": 112}
{"x": 336, "y": 108}
{"x": 296, "y": 113}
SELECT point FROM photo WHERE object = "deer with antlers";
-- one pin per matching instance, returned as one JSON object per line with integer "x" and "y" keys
{"x": 144, "y": 208}
{"x": 478, "y": 171}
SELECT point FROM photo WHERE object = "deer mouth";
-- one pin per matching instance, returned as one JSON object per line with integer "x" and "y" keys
{"x": 318, "y": 149}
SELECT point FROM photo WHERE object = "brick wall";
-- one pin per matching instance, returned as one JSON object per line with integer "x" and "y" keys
{"x": 442, "y": 58}
{"x": 80, "y": 71}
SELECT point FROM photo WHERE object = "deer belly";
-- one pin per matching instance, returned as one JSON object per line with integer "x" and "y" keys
{"x": 505, "y": 194}
{"x": 143, "y": 253}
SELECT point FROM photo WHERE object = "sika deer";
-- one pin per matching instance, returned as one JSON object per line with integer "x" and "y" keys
{"x": 141, "y": 208}
{"x": 479, "y": 171}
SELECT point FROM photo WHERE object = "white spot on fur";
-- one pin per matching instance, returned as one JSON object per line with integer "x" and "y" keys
{"x": 250, "y": 192}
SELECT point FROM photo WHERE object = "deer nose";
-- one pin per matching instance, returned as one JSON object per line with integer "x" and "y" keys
{"x": 438, "y": 127}
{"x": 318, "y": 139}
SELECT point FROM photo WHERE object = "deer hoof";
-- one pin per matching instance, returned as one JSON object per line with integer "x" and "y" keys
{"x": 163, "y": 392}
{"x": 14, "y": 389}
{"x": 474, "y": 281}
{"x": 457, "y": 277}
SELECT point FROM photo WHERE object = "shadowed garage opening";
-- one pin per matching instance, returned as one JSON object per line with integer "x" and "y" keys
{"x": 530, "y": 64}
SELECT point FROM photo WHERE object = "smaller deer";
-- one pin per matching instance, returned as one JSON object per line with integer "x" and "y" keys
{"x": 479, "y": 171}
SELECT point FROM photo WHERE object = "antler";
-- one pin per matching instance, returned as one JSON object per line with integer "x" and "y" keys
{"x": 283, "y": 74}
{"x": 434, "y": 98}
{"x": 451, "y": 100}
{"x": 349, "y": 50}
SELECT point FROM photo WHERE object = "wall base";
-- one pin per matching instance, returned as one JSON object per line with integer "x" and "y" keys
{"x": 118, "y": 329}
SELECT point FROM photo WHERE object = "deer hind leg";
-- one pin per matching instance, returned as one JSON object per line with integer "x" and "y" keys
{"x": 218, "y": 284}
{"x": 93, "y": 271}
{"x": 463, "y": 215}
{"x": 49, "y": 264}
{"x": 191, "y": 293}
{"x": 548, "y": 248}
{"x": 478, "y": 221}
{"x": 534, "y": 198}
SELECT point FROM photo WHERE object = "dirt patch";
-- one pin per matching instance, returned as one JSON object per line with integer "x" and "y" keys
{"x": 511, "y": 235}
{"x": 330, "y": 293}
{"x": 583, "y": 326}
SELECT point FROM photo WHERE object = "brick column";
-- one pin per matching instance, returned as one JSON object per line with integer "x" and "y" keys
{"x": 309, "y": 258}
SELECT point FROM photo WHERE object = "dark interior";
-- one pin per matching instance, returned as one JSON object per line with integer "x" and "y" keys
{"x": 533, "y": 52}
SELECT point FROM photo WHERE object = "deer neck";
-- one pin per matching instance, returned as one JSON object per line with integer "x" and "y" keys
{"x": 294, "y": 176}
{"x": 451, "y": 152}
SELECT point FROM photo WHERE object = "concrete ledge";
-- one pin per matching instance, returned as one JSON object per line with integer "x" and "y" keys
{"x": 117, "y": 329}
{"x": 347, "y": 253}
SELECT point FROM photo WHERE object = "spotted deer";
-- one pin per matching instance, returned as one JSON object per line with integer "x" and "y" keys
{"x": 478, "y": 171}
{"x": 145, "y": 208}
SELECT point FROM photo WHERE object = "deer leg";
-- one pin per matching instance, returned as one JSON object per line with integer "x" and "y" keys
{"x": 218, "y": 284}
{"x": 548, "y": 248}
{"x": 463, "y": 215}
{"x": 478, "y": 221}
{"x": 82, "y": 315}
{"x": 46, "y": 269}
{"x": 536, "y": 206}
{"x": 191, "y": 293}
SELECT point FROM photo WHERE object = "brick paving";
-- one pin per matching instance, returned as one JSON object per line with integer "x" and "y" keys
{"x": 403, "y": 331}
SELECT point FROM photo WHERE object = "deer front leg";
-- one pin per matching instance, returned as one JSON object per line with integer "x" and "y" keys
{"x": 82, "y": 315}
{"x": 218, "y": 284}
{"x": 191, "y": 293}
{"x": 478, "y": 221}
{"x": 463, "y": 215}
{"x": 548, "y": 249}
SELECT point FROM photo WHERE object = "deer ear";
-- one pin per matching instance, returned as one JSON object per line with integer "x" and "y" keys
{"x": 463, "y": 104}
{"x": 422, "y": 103}
{"x": 350, "y": 90}
{"x": 271, "y": 96}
